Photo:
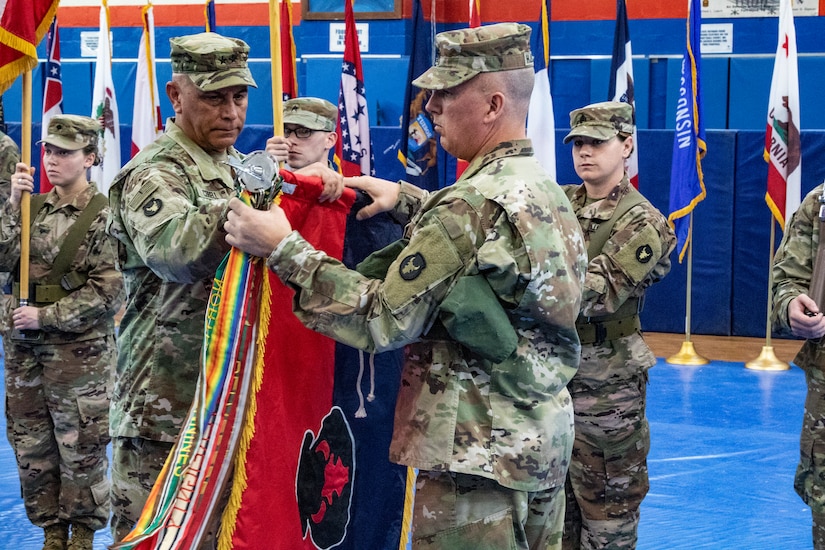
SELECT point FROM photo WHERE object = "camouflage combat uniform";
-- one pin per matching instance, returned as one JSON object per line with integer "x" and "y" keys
{"x": 480, "y": 415}
{"x": 608, "y": 470}
{"x": 58, "y": 390}
{"x": 792, "y": 271}
{"x": 168, "y": 206}
{"x": 9, "y": 157}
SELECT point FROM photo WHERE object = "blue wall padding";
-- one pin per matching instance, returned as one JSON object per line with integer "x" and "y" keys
{"x": 731, "y": 226}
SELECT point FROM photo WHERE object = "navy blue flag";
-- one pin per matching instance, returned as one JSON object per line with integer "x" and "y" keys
{"x": 419, "y": 149}
{"x": 687, "y": 186}
{"x": 209, "y": 15}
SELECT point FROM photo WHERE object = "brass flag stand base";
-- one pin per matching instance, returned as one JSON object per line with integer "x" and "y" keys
{"x": 687, "y": 356}
{"x": 767, "y": 360}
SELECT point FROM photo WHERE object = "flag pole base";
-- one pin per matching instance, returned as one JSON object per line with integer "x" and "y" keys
{"x": 767, "y": 360}
{"x": 687, "y": 356}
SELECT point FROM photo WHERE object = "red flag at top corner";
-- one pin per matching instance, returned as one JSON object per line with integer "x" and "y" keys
{"x": 289, "y": 72}
{"x": 621, "y": 82}
{"x": 23, "y": 24}
{"x": 353, "y": 151}
{"x": 783, "y": 151}
{"x": 52, "y": 96}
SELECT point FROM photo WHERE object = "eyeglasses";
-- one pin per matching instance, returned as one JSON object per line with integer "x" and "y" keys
{"x": 300, "y": 131}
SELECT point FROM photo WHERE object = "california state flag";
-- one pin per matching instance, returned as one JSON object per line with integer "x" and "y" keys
{"x": 104, "y": 108}
{"x": 146, "y": 122}
{"x": 782, "y": 144}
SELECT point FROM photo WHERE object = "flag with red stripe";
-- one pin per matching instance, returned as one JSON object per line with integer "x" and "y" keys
{"x": 147, "y": 125}
{"x": 621, "y": 82}
{"x": 782, "y": 143}
{"x": 288, "y": 54}
{"x": 52, "y": 96}
{"x": 353, "y": 150}
{"x": 104, "y": 108}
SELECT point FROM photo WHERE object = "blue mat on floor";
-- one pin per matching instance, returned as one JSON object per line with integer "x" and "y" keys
{"x": 724, "y": 449}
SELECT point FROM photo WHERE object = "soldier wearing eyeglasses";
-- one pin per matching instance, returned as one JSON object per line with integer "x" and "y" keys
{"x": 309, "y": 133}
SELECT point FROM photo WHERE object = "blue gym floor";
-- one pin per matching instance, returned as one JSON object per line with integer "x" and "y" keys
{"x": 724, "y": 451}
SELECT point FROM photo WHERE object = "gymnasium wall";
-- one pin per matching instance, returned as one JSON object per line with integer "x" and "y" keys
{"x": 732, "y": 226}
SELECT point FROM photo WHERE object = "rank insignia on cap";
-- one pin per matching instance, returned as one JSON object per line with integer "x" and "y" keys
{"x": 644, "y": 254}
{"x": 412, "y": 266}
{"x": 152, "y": 207}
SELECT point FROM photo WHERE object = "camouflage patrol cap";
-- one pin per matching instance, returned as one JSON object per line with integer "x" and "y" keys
{"x": 464, "y": 53}
{"x": 72, "y": 132}
{"x": 212, "y": 61}
{"x": 311, "y": 112}
{"x": 601, "y": 120}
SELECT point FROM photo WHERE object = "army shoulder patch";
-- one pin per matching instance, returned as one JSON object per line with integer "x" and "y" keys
{"x": 412, "y": 266}
{"x": 152, "y": 207}
{"x": 644, "y": 254}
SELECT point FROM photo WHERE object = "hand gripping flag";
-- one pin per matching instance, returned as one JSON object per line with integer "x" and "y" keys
{"x": 783, "y": 151}
{"x": 541, "y": 125}
{"x": 23, "y": 24}
{"x": 52, "y": 96}
{"x": 621, "y": 82}
{"x": 419, "y": 150}
{"x": 687, "y": 186}
{"x": 104, "y": 108}
{"x": 147, "y": 125}
{"x": 353, "y": 150}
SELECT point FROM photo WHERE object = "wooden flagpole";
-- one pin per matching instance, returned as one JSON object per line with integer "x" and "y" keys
{"x": 25, "y": 199}
{"x": 277, "y": 73}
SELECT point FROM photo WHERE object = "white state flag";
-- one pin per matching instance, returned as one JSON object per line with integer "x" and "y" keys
{"x": 146, "y": 123}
{"x": 541, "y": 126}
{"x": 104, "y": 108}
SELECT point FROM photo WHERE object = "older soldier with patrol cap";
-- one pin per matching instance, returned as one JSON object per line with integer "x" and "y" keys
{"x": 60, "y": 357}
{"x": 309, "y": 133}
{"x": 628, "y": 247}
{"x": 168, "y": 207}
{"x": 483, "y": 290}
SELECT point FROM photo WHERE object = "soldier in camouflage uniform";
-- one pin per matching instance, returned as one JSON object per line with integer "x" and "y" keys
{"x": 167, "y": 210}
{"x": 59, "y": 378}
{"x": 796, "y": 312}
{"x": 9, "y": 157}
{"x": 628, "y": 244}
{"x": 483, "y": 291}
{"x": 309, "y": 133}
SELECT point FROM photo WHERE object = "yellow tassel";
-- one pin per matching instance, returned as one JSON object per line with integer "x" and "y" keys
{"x": 239, "y": 482}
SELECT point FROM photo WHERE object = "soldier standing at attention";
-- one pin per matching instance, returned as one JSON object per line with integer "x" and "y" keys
{"x": 483, "y": 291}
{"x": 59, "y": 372}
{"x": 309, "y": 133}
{"x": 796, "y": 312}
{"x": 628, "y": 248}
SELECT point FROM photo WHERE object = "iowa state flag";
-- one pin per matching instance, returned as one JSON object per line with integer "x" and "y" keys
{"x": 147, "y": 125}
{"x": 621, "y": 82}
{"x": 353, "y": 150}
{"x": 23, "y": 24}
{"x": 541, "y": 124}
{"x": 687, "y": 185}
{"x": 52, "y": 96}
{"x": 782, "y": 143}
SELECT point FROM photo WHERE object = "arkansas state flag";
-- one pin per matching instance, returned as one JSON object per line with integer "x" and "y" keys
{"x": 146, "y": 123}
{"x": 782, "y": 144}
{"x": 52, "y": 96}
{"x": 353, "y": 150}
{"x": 104, "y": 108}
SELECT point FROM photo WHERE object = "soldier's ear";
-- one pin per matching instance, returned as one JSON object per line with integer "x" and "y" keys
{"x": 173, "y": 92}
